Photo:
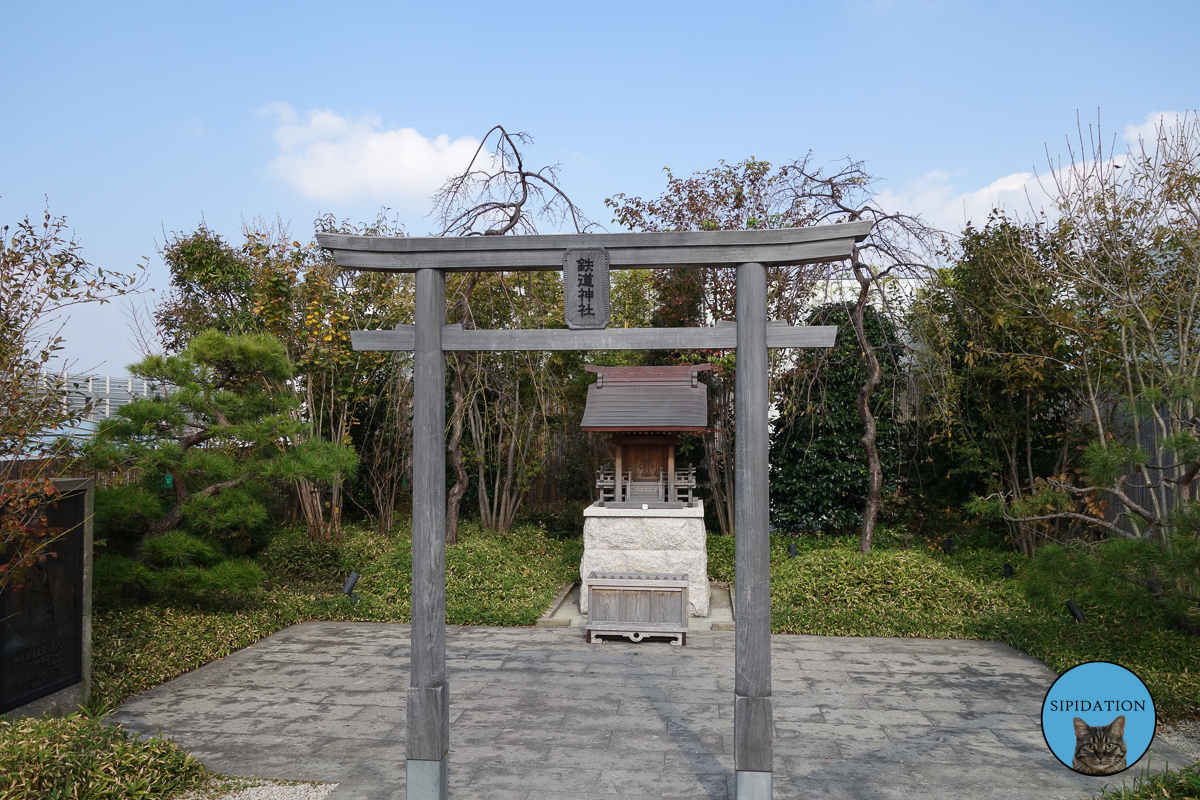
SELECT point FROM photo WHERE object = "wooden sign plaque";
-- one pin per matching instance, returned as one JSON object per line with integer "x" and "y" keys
{"x": 585, "y": 288}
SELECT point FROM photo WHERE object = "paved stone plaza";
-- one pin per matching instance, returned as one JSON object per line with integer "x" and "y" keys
{"x": 537, "y": 713}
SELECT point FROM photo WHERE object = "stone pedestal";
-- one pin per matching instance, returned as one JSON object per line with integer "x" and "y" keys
{"x": 647, "y": 540}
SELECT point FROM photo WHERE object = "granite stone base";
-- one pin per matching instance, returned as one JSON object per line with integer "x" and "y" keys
{"x": 56, "y": 704}
{"x": 658, "y": 540}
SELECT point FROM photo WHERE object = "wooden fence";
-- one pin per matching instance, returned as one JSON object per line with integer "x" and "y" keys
{"x": 67, "y": 468}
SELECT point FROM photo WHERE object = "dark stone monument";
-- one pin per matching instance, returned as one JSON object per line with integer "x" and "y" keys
{"x": 45, "y": 619}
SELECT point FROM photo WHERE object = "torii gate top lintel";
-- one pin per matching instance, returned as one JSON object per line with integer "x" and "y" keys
{"x": 626, "y": 250}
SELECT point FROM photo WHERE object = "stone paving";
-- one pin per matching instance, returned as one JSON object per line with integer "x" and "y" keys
{"x": 536, "y": 713}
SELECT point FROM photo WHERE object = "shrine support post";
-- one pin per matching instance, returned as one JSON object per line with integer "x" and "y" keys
{"x": 428, "y": 719}
{"x": 752, "y": 726}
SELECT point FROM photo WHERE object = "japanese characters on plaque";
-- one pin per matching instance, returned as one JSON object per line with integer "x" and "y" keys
{"x": 585, "y": 288}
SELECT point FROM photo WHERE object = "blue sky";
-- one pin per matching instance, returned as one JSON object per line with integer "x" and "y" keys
{"x": 139, "y": 119}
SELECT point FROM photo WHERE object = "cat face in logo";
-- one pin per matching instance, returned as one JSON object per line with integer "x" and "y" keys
{"x": 1099, "y": 750}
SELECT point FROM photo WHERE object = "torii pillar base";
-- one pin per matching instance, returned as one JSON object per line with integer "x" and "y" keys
{"x": 752, "y": 785}
{"x": 427, "y": 780}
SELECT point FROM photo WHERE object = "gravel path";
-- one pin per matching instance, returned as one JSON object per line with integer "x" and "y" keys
{"x": 273, "y": 790}
{"x": 1185, "y": 736}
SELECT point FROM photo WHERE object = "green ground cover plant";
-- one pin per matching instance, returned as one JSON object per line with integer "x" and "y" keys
{"x": 830, "y": 589}
{"x": 902, "y": 588}
{"x": 492, "y": 578}
{"x": 1181, "y": 785}
{"x": 79, "y": 758}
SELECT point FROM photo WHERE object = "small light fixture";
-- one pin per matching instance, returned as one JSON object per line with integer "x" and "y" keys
{"x": 1008, "y": 571}
{"x": 1075, "y": 611}
{"x": 645, "y": 506}
{"x": 792, "y": 550}
{"x": 947, "y": 545}
{"x": 349, "y": 587}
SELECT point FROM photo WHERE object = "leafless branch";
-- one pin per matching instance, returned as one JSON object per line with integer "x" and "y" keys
{"x": 496, "y": 194}
{"x": 1073, "y": 515}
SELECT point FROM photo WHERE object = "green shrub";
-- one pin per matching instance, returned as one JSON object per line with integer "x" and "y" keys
{"x": 110, "y": 573}
{"x": 115, "y": 570}
{"x": 561, "y": 522}
{"x": 1118, "y": 581}
{"x": 179, "y": 549}
{"x": 219, "y": 434}
{"x": 236, "y": 517}
{"x": 228, "y": 581}
{"x": 506, "y": 579}
{"x": 291, "y": 556}
{"x": 818, "y": 472}
{"x": 76, "y": 757}
{"x": 720, "y": 557}
{"x": 121, "y": 514}
{"x": 883, "y": 580}
{"x": 178, "y": 567}
{"x": 834, "y": 590}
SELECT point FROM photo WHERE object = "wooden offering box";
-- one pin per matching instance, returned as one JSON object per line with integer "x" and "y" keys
{"x": 637, "y": 605}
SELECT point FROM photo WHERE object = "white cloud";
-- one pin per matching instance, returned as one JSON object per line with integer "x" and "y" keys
{"x": 941, "y": 203}
{"x": 326, "y": 156}
{"x": 1148, "y": 131}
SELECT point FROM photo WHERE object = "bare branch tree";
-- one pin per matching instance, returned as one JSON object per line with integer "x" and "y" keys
{"x": 1123, "y": 289}
{"x": 753, "y": 195}
{"x": 900, "y": 247}
{"x": 495, "y": 195}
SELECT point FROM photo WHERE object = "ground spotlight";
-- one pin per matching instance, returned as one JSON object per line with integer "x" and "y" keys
{"x": 1075, "y": 611}
{"x": 349, "y": 587}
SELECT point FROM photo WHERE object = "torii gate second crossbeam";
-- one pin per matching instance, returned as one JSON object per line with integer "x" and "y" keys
{"x": 751, "y": 252}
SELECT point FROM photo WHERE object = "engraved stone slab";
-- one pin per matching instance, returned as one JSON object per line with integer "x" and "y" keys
{"x": 656, "y": 540}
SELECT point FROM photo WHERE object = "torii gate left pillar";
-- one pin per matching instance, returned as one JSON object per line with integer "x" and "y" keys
{"x": 428, "y": 720}
{"x": 427, "y": 737}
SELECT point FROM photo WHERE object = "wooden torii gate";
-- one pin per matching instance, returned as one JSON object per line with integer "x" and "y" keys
{"x": 751, "y": 252}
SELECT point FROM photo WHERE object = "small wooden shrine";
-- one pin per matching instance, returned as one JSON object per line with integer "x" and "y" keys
{"x": 645, "y": 409}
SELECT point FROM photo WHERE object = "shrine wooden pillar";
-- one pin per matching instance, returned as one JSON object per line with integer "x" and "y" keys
{"x": 752, "y": 727}
{"x": 619, "y": 464}
{"x": 427, "y": 738}
{"x": 670, "y": 498}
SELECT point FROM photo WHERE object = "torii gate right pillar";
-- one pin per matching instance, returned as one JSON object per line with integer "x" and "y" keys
{"x": 752, "y": 725}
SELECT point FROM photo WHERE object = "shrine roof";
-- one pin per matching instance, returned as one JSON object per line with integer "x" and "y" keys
{"x": 647, "y": 399}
